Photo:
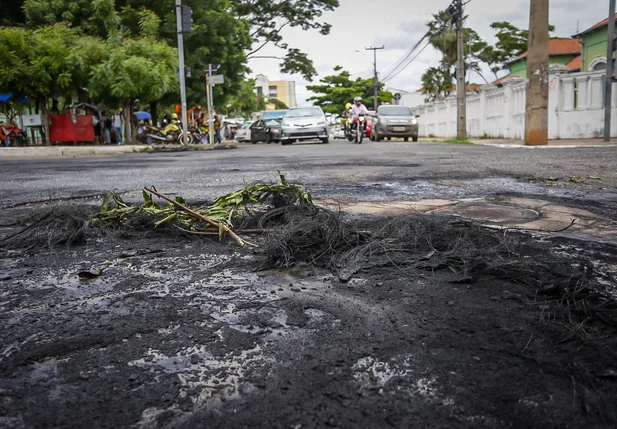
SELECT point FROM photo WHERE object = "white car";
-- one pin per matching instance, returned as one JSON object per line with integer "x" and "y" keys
{"x": 244, "y": 133}
{"x": 304, "y": 123}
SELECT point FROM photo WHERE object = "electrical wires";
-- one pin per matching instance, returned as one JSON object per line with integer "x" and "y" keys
{"x": 414, "y": 53}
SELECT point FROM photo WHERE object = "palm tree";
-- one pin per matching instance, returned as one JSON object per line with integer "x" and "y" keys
{"x": 442, "y": 36}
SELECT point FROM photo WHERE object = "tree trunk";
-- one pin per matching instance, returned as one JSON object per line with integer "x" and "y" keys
{"x": 127, "y": 123}
{"x": 153, "y": 112}
{"x": 45, "y": 122}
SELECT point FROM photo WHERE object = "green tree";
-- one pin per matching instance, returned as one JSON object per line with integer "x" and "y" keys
{"x": 219, "y": 36}
{"x": 511, "y": 42}
{"x": 267, "y": 19}
{"x": 244, "y": 102}
{"x": 141, "y": 69}
{"x": 442, "y": 36}
{"x": 336, "y": 90}
{"x": 94, "y": 17}
{"x": 49, "y": 62}
{"x": 437, "y": 82}
{"x": 278, "y": 104}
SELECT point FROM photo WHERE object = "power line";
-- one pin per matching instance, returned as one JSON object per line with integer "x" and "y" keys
{"x": 405, "y": 58}
{"x": 408, "y": 63}
{"x": 408, "y": 59}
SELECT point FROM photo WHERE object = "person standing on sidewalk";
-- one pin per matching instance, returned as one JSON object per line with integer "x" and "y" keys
{"x": 118, "y": 122}
{"x": 217, "y": 128}
{"x": 106, "y": 127}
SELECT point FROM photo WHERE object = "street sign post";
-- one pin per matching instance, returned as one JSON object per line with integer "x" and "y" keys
{"x": 216, "y": 79}
{"x": 397, "y": 97}
{"x": 210, "y": 82}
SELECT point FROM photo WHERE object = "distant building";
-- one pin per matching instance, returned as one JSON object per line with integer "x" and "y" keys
{"x": 594, "y": 46}
{"x": 409, "y": 99}
{"x": 282, "y": 90}
{"x": 562, "y": 51}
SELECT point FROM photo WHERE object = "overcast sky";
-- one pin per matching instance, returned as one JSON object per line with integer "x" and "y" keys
{"x": 399, "y": 24}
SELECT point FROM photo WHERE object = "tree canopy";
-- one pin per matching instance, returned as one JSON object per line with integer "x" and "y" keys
{"x": 141, "y": 69}
{"x": 511, "y": 42}
{"x": 334, "y": 91}
{"x": 267, "y": 19}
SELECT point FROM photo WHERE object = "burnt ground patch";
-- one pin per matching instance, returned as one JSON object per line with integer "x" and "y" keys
{"x": 334, "y": 321}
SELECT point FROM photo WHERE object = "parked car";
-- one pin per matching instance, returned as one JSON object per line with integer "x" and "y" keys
{"x": 395, "y": 121}
{"x": 304, "y": 123}
{"x": 266, "y": 130}
{"x": 244, "y": 133}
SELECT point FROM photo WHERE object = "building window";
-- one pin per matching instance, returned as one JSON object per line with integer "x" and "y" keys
{"x": 273, "y": 91}
{"x": 260, "y": 91}
{"x": 599, "y": 63}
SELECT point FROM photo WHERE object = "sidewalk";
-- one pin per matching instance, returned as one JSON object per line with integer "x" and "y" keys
{"x": 551, "y": 144}
{"x": 78, "y": 151}
{"x": 67, "y": 151}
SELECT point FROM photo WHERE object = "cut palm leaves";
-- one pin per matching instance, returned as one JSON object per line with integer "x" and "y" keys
{"x": 217, "y": 218}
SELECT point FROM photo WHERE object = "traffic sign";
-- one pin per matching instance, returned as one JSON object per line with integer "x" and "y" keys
{"x": 397, "y": 96}
{"x": 216, "y": 79}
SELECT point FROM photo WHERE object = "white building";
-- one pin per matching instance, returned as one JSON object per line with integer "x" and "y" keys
{"x": 409, "y": 99}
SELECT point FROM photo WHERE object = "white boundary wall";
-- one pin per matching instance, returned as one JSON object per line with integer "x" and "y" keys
{"x": 575, "y": 109}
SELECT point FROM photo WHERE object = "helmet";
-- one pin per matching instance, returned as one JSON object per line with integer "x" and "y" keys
{"x": 355, "y": 100}
{"x": 348, "y": 106}
{"x": 174, "y": 116}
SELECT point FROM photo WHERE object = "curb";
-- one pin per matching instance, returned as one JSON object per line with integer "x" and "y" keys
{"x": 510, "y": 146}
{"x": 67, "y": 151}
{"x": 193, "y": 148}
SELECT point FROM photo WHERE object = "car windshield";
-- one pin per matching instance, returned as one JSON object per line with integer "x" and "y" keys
{"x": 304, "y": 112}
{"x": 395, "y": 111}
{"x": 274, "y": 114}
{"x": 245, "y": 126}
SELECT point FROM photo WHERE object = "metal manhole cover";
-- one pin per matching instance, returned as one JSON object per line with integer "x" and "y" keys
{"x": 498, "y": 214}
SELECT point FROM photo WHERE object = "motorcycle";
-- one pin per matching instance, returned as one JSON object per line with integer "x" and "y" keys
{"x": 172, "y": 133}
{"x": 357, "y": 131}
{"x": 199, "y": 134}
{"x": 346, "y": 121}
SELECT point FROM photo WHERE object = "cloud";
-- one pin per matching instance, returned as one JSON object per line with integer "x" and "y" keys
{"x": 398, "y": 24}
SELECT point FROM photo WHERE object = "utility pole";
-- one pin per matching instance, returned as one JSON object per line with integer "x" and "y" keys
{"x": 376, "y": 78}
{"x": 610, "y": 71}
{"x": 461, "y": 90}
{"x": 210, "y": 92}
{"x": 184, "y": 25}
{"x": 536, "y": 109}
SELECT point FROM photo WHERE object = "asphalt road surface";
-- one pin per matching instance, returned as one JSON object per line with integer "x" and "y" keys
{"x": 416, "y": 321}
{"x": 333, "y": 170}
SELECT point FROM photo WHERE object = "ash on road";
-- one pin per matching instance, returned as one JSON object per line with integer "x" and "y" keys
{"x": 183, "y": 332}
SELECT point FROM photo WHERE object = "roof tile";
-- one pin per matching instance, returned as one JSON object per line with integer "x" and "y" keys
{"x": 559, "y": 47}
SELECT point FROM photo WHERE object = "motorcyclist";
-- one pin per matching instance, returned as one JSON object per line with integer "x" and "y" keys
{"x": 358, "y": 109}
{"x": 346, "y": 117}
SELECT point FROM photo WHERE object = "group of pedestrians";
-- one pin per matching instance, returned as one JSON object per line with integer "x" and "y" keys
{"x": 107, "y": 126}
{"x": 204, "y": 123}
{"x": 104, "y": 125}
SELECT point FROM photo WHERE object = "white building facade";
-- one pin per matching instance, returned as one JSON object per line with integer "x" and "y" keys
{"x": 576, "y": 109}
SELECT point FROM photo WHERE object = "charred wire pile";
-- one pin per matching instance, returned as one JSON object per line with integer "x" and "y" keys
{"x": 451, "y": 249}
{"x": 50, "y": 228}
